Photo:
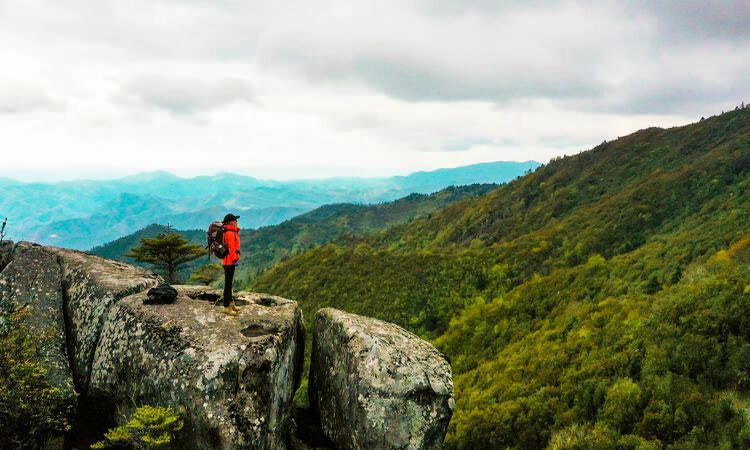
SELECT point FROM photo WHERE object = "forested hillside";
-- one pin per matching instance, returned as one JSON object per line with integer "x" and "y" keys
{"x": 602, "y": 301}
{"x": 265, "y": 246}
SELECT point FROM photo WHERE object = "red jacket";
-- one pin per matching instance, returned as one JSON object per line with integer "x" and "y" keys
{"x": 232, "y": 240}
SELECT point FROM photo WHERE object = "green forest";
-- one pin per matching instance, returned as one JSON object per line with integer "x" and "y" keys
{"x": 602, "y": 301}
{"x": 265, "y": 246}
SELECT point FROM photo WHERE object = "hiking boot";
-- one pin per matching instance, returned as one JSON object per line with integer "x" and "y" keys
{"x": 229, "y": 311}
{"x": 234, "y": 306}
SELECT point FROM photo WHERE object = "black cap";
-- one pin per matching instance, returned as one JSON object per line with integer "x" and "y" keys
{"x": 230, "y": 218}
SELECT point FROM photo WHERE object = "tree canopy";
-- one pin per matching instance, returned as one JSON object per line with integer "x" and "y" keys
{"x": 167, "y": 252}
{"x": 206, "y": 274}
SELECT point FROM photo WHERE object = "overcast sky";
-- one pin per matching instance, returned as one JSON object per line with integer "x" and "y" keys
{"x": 294, "y": 89}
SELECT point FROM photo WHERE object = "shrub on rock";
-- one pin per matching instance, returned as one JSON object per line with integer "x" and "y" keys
{"x": 148, "y": 427}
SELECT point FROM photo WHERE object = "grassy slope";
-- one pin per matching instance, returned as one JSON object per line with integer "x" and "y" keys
{"x": 589, "y": 303}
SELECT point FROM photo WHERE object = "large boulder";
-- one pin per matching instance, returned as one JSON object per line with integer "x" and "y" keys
{"x": 235, "y": 377}
{"x": 91, "y": 285}
{"x": 377, "y": 386}
{"x": 30, "y": 285}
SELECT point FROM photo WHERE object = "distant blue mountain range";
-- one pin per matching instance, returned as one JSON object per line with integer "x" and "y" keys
{"x": 85, "y": 213}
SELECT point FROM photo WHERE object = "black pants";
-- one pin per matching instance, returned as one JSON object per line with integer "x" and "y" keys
{"x": 228, "y": 277}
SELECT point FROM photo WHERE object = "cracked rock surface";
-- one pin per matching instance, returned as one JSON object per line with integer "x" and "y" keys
{"x": 91, "y": 285}
{"x": 31, "y": 284}
{"x": 377, "y": 386}
{"x": 235, "y": 376}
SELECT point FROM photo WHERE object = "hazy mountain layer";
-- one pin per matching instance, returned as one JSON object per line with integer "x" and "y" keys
{"x": 81, "y": 214}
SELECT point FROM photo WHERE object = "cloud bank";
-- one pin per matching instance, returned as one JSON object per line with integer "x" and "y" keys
{"x": 350, "y": 87}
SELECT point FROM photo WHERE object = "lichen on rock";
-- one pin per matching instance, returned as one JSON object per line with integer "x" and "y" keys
{"x": 377, "y": 386}
{"x": 91, "y": 286}
{"x": 235, "y": 376}
{"x": 31, "y": 283}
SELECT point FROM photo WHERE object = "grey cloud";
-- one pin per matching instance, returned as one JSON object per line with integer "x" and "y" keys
{"x": 566, "y": 52}
{"x": 16, "y": 99}
{"x": 185, "y": 96}
{"x": 664, "y": 93}
{"x": 411, "y": 81}
{"x": 359, "y": 121}
{"x": 452, "y": 7}
{"x": 677, "y": 99}
{"x": 465, "y": 143}
{"x": 698, "y": 20}
{"x": 555, "y": 141}
{"x": 683, "y": 19}
{"x": 498, "y": 72}
{"x": 500, "y": 51}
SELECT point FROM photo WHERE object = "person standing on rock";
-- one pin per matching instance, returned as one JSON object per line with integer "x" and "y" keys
{"x": 231, "y": 261}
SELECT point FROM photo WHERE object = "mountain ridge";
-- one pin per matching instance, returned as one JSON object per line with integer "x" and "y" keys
{"x": 57, "y": 213}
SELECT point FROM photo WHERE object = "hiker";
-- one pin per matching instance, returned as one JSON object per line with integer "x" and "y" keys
{"x": 231, "y": 261}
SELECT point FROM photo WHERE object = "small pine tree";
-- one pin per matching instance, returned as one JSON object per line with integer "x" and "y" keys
{"x": 206, "y": 274}
{"x": 167, "y": 252}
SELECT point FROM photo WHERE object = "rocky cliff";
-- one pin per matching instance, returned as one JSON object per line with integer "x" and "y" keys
{"x": 234, "y": 378}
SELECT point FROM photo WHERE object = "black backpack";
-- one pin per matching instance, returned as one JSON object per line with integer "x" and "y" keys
{"x": 216, "y": 244}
